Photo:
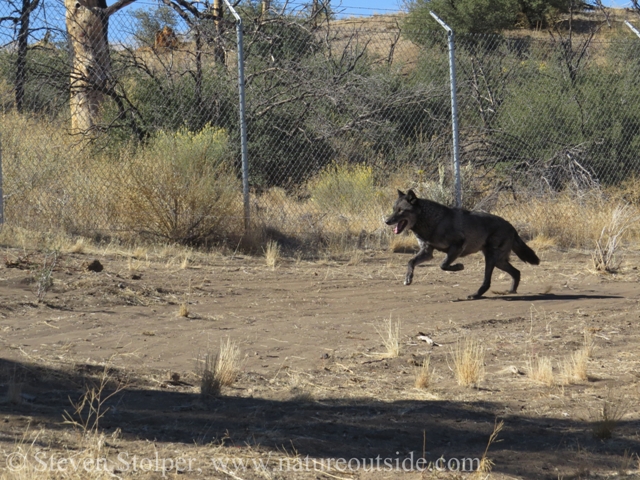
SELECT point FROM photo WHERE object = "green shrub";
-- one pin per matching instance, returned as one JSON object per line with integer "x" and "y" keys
{"x": 343, "y": 188}
{"x": 181, "y": 187}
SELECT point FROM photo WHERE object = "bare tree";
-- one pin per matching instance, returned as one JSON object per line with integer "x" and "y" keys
{"x": 21, "y": 17}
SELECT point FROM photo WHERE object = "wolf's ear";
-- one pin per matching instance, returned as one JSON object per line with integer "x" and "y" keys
{"x": 400, "y": 193}
{"x": 411, "y": 197}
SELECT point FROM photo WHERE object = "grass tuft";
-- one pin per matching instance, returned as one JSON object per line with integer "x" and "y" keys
{"x": 608, "y": 417}
{"x": 390, "y": 334}
{"x": 468, "y": 362}
{"x": 573, "y": 368}
{"x": 272, "y": 254}
{"x": 424, "y": 374}
{"x": 540, "y": 370}
{"x": 220, "y": 370}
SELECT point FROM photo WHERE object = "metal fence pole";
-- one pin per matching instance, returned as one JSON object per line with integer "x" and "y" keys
{"x": 243, "y": 123}
{"x": 454, "y": 110}
{"x": 632, "y": 28}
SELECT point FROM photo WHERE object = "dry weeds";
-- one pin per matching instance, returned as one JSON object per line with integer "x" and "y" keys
{"x": 606, "y": 257}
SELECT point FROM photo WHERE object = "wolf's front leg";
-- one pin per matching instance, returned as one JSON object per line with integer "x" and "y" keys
{"x": 424, "y": 255}
{"x": 452, "y": 254}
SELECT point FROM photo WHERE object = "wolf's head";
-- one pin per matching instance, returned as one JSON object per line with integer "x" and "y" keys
{"x": 405, "y": 212}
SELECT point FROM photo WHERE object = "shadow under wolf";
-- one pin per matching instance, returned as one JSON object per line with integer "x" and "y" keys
{"x": 459, "y": 233}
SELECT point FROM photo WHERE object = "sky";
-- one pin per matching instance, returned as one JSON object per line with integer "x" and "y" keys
{"x": 365, "y": 8}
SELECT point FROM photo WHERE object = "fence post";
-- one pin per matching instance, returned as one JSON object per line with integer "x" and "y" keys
{"x": 632, "y": 28}
{"x": 243, "y": 123}
{"x": 454, "y": 109}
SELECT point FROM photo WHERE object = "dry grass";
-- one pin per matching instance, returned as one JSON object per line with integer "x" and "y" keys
{"x": 424, "y": 374}
{"x": 540, "y": 370}
{"x": 608, "y": 416}
{"x": 220, "y": 370}
{"x": 80, "y": 246}
{"x": 568, "y": 220}
{"x": 589, "y": 344}
{"x": 542, "y": 242}
{"x": 573, "y": 368}
{"x": 468, "y": 362}
{"x": 272, "y": 254}
{"x": 25, "y": 461}
{"x": 44, "y": 275}
{"x": 486, "y": 464}
{"x": 183, "y": 311}
{"x": 403, "y": 243}
{"x": 389, "y": 332}
{"x": 14, "y": 391}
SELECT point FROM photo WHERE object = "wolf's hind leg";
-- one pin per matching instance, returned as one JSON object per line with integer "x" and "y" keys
{"x": 424, "y": 255}
{"x": 453, "y": 253}
{"x": 489, "y": 265}
{"x": 505, "y": 266}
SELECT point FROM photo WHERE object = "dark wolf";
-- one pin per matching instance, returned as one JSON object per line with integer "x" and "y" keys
{"x": 459, "y": 233}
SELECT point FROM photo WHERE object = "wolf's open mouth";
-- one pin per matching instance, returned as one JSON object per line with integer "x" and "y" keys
{"x": 400, "y": 227}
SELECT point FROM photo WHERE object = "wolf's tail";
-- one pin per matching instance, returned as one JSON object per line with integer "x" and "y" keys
{"x": 524, "y": 252}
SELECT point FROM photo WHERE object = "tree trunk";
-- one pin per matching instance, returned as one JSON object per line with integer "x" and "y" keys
{"x": 218, "y": 47}
{"x": 28, "y": 6}
{"x": 87, "y": 27}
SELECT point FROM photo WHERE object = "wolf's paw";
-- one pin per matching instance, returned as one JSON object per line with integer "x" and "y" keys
{"x": 475, "y": 296}
{"x": 407, "y": 281}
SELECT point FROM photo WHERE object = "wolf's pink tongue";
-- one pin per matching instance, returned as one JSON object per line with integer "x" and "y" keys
{"x": 397, "y": 229}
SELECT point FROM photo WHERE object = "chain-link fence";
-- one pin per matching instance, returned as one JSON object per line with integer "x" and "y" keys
{"x": 126, "y": 120}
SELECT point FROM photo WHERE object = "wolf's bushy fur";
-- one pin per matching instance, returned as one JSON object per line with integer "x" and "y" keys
{"x": 459, "y": 233}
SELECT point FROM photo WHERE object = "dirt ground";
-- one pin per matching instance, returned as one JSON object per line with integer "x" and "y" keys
{"x": 314, "y": 382}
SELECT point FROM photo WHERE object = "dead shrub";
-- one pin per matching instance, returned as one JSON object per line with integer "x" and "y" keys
{"x": 606, "y": 257}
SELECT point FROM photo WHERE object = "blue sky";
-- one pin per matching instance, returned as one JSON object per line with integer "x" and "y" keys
{"x": 360, "y": 8}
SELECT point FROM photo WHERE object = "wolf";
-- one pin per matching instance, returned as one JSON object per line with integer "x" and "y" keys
{"x": 459, "y": 233}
